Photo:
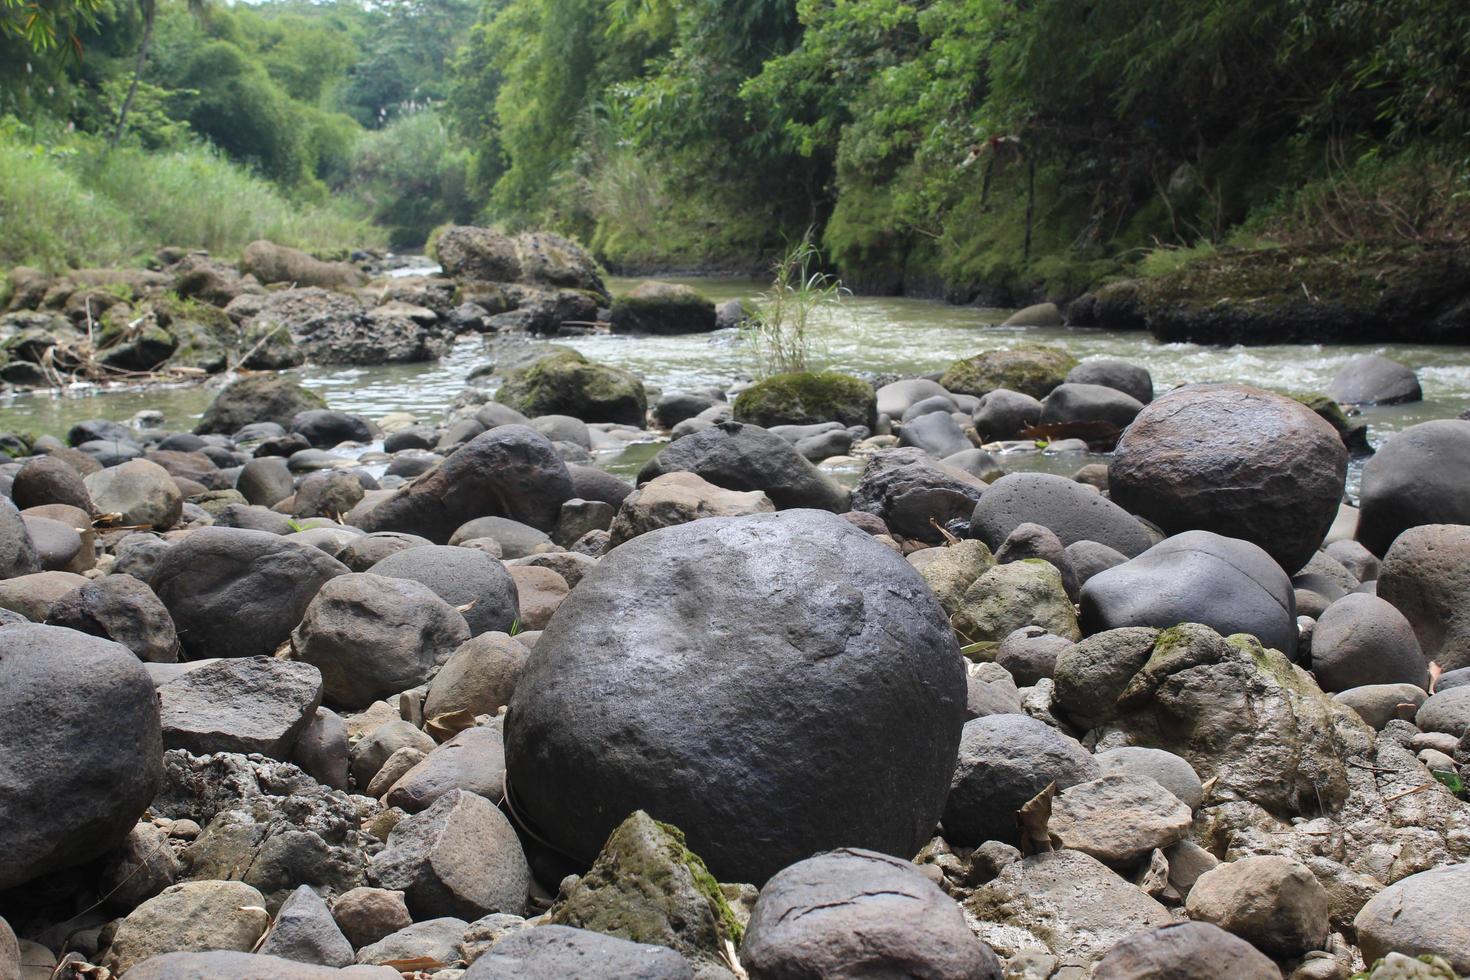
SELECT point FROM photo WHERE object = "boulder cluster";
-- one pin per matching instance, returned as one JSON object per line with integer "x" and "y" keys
{"x": 301, "y": 694}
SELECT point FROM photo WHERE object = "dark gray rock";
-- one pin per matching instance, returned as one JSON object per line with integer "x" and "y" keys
{"x": 17, "y": 551}
{"x": 1072, "y": 402}
{"x": 510, "y": 471}
{"x": 362, "y": 553}
{"x": 1069, "y": 509}
{"x": 737, "y": 456}
{"x": 257, "y": 398}
{"x": 1234, "y": 460}
{"x": 245, "y": 705}
{"x": 215, "y": 579}
{"x": 1034, "y": 541}
{"x": 304, "y": 932}
{"x": 265, "y": 481}
{"x": 855, "y": 913}
{"x": 224, "y": 964}
{"x": 590, "y": 483}
{"x": 459, "y": 856}
{"x": 937, "y": 433}
{"x": 1227, "y": 584}
{"x": 80, "y": 748}
{"x": 564, "y": 953}
{"x": 460, "y": 576}
{"x": 1372, "y": 379}
{"x": 321, "y": 749}
{"x": 372, "y": 636}
{"x": 1417, "y": 477}
{"x": 670, "y": 410}
{"x": 1132, "y": 379}
{"x": 1090, "y": 557}
{"x": 48, "y": 480}
{"x": 516, "y": 540}
{"x": 323, "y": 428}
{"x": 1185, "y": 951}
{"x": 1004, "y": 761}
{"x": 804, "y": 665}
{"x": 1358, "y": 560}
{"x": 1031, "y": 653}
{"x": 1446, "y": 711}
{"x": 121, "y": 608}
{"x": 906, "y": 490}
{"x": 1003, "y": 414}
{"x": 1361, "y": 640}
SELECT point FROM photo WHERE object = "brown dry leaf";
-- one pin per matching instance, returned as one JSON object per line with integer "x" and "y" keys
{"x": 416, "y": 963}
{"x": 1033, "y": 818}
{"x": 446, "y": 726}
{"x": 1434, "y": 671}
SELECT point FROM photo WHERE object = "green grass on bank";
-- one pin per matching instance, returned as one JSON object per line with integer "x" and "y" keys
{"x": 73, "y": 203}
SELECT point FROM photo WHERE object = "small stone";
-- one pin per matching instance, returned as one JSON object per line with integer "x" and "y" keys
{"x": 304, "y": 932}
{"x": 366, "y": 915}
{"x": 1274, "y": 903}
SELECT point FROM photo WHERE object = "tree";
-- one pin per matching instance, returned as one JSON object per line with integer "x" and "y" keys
{"x": 45, "y": 25}
{"x": 148, "y": 9}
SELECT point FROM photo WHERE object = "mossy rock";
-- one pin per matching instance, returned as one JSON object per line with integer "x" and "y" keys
{"x": 647, "y": 886}
{"x": 257, "y": 398}
{"x": 144, "y": 348}
{"x": 1033, "y": 369}
{"x": 566, "y": 383}
{"x": 805, "y": 398}
{"x": 662, "y": 308}
{"x": 1354, "y": 432}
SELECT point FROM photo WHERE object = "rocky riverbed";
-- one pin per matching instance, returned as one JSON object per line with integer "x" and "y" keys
{"x": 829, "y": 689}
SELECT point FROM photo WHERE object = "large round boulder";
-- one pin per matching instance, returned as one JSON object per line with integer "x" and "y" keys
{"x": 1070, "y": 510}
{"x": 774, "y": 685}
{"x": 1372, "y": 379}
{"x": 1423, "y": 914}
{"x": 462, "y": 577}
{"x": 238, "y": 593}
{"x": 854, "y": 913}
{"x": 1031, "y": 369}
{"x": 140, "y": 492}
{"x": 1229, "y": 585}
{"x": 1417, "y": 477}
{"x": 1362, "y": 640}
{"x": 1426, "y": 576}
{"x": 1235, "y": 460}
{"x": 81, "y": 750}
{"x": 662, "y": 308}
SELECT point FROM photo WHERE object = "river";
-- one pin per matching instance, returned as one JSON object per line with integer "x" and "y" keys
{"x": 865, "y": 334}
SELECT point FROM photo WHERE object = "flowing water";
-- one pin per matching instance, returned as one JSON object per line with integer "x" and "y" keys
{"x": 866, "y": 334}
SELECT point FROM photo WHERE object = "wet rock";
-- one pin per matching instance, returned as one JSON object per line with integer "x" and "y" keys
{"x": 459, "y": 855}
{"x": 17, "y": 551}
{"x": 460, "y": 576}
{"x": 1073, "y": 402}
{"x": 858, "y": 913}
{"x": 217, "y": 578}
{"x": 648, "y": 887}
{"x": 1196, "y": 577}
{"x": 1067, "y": 508}
{"x": 1362, "y": 640}
{"x": 1372, "y": 379}
{"x": 1416, "y": 478}
{"x": 473, "y": 761}
{"x": 121, "y": 608}
{"x": 662, "y": 308}
{"x": 1167, "y": 769}
{"x": 1426, "y": 576}
{"x": 936, "y": 433}
{"x": 250, "y": 704}
{"x": 1132, "y": 379}
{"x": 1006, "y": 598}
{"x": 1234, "y": 460}
{"x": 785, "y": 590}
{"x": 1065, "y": 902}
{"x": 907, "y": 491}
{"x": 71, "y": 795}
{"x": 1185, "y": 951}
{"x": 1004, "y": 414}
{"x": 366, "y": 915}
{"x": 479, "y": 677}
{"x": 1119, "y": 818}
{"x": 305, "y": 933}
{"x": 560, "y": 952}
{"x": 1423, "y": 914}
{"x": 1274, "y": 903}
{"x": 744, "y": 457}
{"x": 48, "y": 480}
{"x": 1004, "y": 761}
{"x": 510, "y": 471}
{"x": 257, "y": 398}
{"x": 191, "y": 917}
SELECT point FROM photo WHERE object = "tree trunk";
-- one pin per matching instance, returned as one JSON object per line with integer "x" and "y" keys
{"x": 149, "y": 11}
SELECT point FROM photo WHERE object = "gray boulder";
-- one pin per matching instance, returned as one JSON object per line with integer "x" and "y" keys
{"x": 936, "y": 433}
{"x": 1003, "y": 414}
{"x": 1196, "y": 577}
{"x": 1446, "y": 711}
{"x": 1417, "y": 477}
{"x": 141, "y": 492}
{"x": 1372, "y": 379}
{"x": 564, "y": 953}
{"x": 80, "y": 748}
{"x": 17, "y": 551}
{"x": 121, "y": 608}
{"x": 372, "y": 636}
{"x": 1073, "y": 402}
{"x": 1132, "y": 379}
{"x": 804, "y": 666}
{"x": 907, "y": 490}
{"x": 1423, "y": 914}
{"x": 461, "y": 577}
{"x": 257, "y": 398}
{"x": 215, "y": 579}
{"x": 305, "y": 933}
{"x": 1004, "y": 761}
{"x": 857, "y": 913}
{"x": 738, "y": 456}
{"x": 1070, "y": 510}
{"x": 245, "y": 705}
{"x": 1361, "y": 640}
{"x": 1426, "y": 576}
{"x": 460, "y": 855}
{"x": 1186, "y": 951}
{"x": 1119, "y": 818}
{"x": 1234, "y": 460}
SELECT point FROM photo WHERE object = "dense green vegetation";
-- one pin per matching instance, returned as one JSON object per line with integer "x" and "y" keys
{"x": 969, "y": 147}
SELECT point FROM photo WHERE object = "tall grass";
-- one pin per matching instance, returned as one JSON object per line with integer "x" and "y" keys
{"x": 76, "y": 203}
{"x": 782, "y": 333}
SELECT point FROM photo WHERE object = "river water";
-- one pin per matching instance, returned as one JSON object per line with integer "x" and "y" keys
{"x": 865, "y": 334}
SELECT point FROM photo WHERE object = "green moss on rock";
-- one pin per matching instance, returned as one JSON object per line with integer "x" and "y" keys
{"x": 662, "y": 308}
{"x": 805, "y": 398}
{"x": 566, "y": 383}
{"x": 1032, "y": 369}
